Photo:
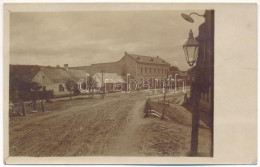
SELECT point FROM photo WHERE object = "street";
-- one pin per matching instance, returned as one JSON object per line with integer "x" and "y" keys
{"x": 113, "y": 126}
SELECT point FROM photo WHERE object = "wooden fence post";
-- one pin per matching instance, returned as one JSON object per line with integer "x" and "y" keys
{"x": 34, "y": 105}
{"x": 185, "y": 98}
{"x": 43, "y": 108}
{"x": 164, "y": 107}
{"x": 150, "y": 107}
{"x": 23, "y": 109}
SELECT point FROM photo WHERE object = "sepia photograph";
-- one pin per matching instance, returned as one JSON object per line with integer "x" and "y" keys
{"x": 113, "y": 83}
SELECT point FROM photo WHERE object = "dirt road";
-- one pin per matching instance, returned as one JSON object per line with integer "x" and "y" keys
{"x": 94, "y": 127}
{"x": 126, "y": 143}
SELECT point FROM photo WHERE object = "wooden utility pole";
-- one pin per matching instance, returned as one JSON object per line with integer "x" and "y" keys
{"x": 165, "y": 84}
{"x": 43, "y": 107}
{"x": 34, "y": 105}
{"x": 102, "y": 87}
{"x": 23, "y": 109}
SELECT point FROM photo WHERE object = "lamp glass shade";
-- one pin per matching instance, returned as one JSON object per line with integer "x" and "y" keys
{"x": 191, "y": 49}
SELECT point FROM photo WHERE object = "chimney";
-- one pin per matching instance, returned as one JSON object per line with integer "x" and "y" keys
{"x": 66, "y": 67}
{"x": 157, "y": 57}
{"x": 125, "y": 52}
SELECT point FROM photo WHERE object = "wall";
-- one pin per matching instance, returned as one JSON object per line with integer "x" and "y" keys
{"x": 128, "y": 65}
{"x": 151, "y": 73}
{"x": 41, "y": 78}
{"x": 55, "y": 88}
{"x": 105, "y": 67}
{"x": 205, "y": 62}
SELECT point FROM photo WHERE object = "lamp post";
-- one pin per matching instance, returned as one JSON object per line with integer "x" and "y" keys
{"x": 191, "y": 48}
{"x": 203, "y": 76}
{"x": 189, "y": 18}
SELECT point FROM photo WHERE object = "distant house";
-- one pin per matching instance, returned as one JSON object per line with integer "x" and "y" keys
{"x": 54, "y": 79}
{"x": 180, "y": 76}
{"x": 111, "y": 81}
{"x": 138, "y": 66}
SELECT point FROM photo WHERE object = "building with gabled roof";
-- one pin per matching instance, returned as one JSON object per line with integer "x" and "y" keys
{"x": 148, "y": 59}
{"x": 139, "y": 67}
{"x": 54, "y": 79}
{"x": 111, "y": 81}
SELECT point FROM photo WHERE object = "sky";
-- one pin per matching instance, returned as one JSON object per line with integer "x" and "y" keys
{"x": 85, "y": 38}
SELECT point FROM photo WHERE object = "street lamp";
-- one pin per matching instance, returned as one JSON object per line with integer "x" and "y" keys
{"x": 189, "y": 18}
{"x": 206, "y": 36}
{"x": 191, "y": 48}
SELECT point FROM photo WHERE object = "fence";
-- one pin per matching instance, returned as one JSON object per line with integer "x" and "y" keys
{"x": 25, "y": 108}
{"x": 156, "y": 108}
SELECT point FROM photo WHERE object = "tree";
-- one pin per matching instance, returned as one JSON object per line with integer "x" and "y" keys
{"x": 174, "y": 68}
{"x": 70, "y": 86}
{"x": 91, "y": 84}
{"x": 190, "y": 74}
{"x": 35, "y": 94}
{"x": 48, "y": 95}
{"x": 35, "y": 86}
{"x": 20, "y": 82}
{"x": 87, "y": 85}
{"x": 76, "y": 90}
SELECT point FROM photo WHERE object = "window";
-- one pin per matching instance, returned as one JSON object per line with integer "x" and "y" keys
{"x": 43, "y": 77}
{"x": 145, "y": 70}
{"x": 61, "y": 88}
{"x": 150, "y": 70}
{"x": 155, "y": 70}
{"x": 141, "y": 69}
{"x": 158, "y": 71}
{"x": 44, "y": 88}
